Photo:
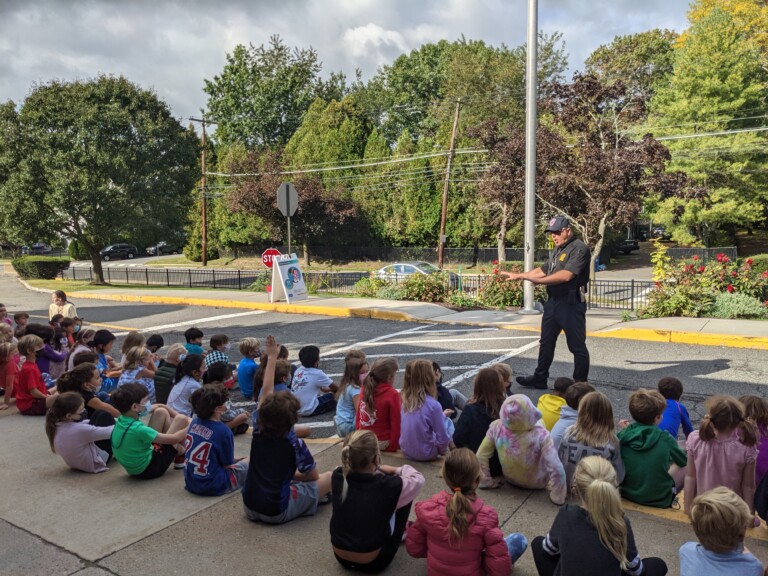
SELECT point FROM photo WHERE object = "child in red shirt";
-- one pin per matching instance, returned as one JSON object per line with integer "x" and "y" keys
{"x": 32, "y": 398}
{"x": 379, "y": 408}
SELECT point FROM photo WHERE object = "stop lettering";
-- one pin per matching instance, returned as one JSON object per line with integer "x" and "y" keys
{"x": 268, "y": 255}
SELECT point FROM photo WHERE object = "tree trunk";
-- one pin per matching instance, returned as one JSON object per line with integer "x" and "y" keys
{"x": 475, "y": 254}
{"x": 98, "y": 271}
{"x": 305, "y": 248}
{"x": 598, "y": 247}
{"x": 502, "y": 235}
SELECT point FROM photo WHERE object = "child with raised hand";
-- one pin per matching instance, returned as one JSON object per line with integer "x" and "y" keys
{"x": 189, "y": 377}
{"x": 720, "y": 519}
{"x": 165, "y": 377}
{"x": 138, "y": 367}
{"x": 309, "y": 381}
{"x": 219, "y": 344}
{"x": 676, "y": 413}
{"x": 250, "y": 350}
{"x": 380, "y": 405}
{"x": 594, "y": 536}
{"x": 283, "y": 482}
{"x": 85, "y": 380}
{"x": 71, "y": 436}
{"x": 236, "y": 419}
{"x": 569, "y": 411}
{"x": 528, "y": 458}
{"x": 456, "y": 531}
{"x": 654, "y": 464}
{"x": 146, "y": 451}
{"x": 423, "y": 433}
{"x": 550, "y": 404}
{"x": 488, "y": 394}
{"x": 32, "y": 397}
{"x": 592, "y": 435}
{"x": 211, "y": 467}
{"x": 371, "y": 504}
{"x": 722, "y": 452}
{"x": 9, "y": 373}
{"x": 348, "y": 394}
{"x": 756, "y": 409}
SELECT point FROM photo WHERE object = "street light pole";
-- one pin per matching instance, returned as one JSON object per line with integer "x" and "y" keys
{"x": 444, "y": 210}
{"x": 531, "y": 97}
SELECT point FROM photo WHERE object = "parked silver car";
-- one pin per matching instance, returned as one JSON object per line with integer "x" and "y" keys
{"x": 399, "y": 271}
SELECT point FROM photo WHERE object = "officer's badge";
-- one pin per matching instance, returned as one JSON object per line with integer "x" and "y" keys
{"x": 562, "y": 257}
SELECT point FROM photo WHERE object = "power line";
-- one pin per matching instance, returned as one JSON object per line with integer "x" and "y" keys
{"x": 707, "y": 134}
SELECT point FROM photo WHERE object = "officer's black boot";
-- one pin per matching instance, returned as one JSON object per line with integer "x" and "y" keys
{"x": 532, "y": 382}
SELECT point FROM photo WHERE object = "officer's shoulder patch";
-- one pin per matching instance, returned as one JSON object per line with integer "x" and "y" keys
{"x": 563, "y": 256}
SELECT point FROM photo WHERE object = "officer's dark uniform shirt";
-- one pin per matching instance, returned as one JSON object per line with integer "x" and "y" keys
{"x": 574, "y": 257}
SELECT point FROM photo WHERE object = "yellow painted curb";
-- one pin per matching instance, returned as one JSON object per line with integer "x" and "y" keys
{"x": 679, "y": 337}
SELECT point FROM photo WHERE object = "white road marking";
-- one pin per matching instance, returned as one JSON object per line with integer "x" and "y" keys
{"x": 372, "y": 340}
{"x": 195, "y": 322}
{"x": 464, "y": 330}
{"x": 427, "y": 353}
{"x": 471, "y": 374}
{"x": 441, "y": 340}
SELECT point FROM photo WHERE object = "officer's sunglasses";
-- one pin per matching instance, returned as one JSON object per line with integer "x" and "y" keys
{"x": 557, "y": 233}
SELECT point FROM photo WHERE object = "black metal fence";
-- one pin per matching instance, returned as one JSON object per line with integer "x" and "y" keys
{"x": 704, "y": 254}
{"x": 612, "y": 294}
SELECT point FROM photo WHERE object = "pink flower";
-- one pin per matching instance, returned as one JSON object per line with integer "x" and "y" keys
{"x": 495, "y": 261}
{"x": 764, "y": 274}
{"x": 734, "y": 273}
{"x": 730, "y": 288}
{"x": 695, "y": 257}
{"x": 495, "y": 270}
{"x": 748, "y": 261}
{"x": 702, "y": 268}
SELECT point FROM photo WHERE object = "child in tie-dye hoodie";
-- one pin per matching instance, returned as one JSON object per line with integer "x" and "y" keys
{"x": 527, "y": 454}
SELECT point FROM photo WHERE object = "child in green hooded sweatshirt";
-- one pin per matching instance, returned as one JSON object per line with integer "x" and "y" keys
{"x": 654, "y": 462}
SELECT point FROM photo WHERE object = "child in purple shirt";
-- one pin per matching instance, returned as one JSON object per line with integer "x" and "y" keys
{"x": 756, "y": 409}
{"x": 423, "y": 434}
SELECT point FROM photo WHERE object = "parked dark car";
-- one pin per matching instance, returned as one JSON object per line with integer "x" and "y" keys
{"x": 117, "y": 251}
{"x": 36, "y": 248}
{"x": 163, "y": 247}
{"x": 625, "y": 245}
{"x": 661, "y": 233}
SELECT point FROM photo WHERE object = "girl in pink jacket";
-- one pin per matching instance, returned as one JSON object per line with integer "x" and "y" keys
{"x": 457, "y": 532}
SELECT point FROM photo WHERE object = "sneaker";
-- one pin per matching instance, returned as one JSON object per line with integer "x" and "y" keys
{"x": 531, "y": 382}
{"x": 179, "y": 462}
{"x": 322, "y": 500}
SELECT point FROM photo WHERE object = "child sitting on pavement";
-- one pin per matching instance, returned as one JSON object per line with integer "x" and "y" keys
{"x": 189, "y": 378}
{"x": 380, "y": 405}
{"x": 211, "y": 467}
{"x": 456, "y": 531}
{"x": 236, "y": 419}
{"x": 165, "y": 377}
{"x": 138, "y": 367}
{"x": 309, "y": 381}
{"x": 283, "y": 482}
{"x": 250, "y": 350}
{"x": 450, "y": 399}
{"x": 675, "y": 413}
{"x": 32, "y": 397}
{"x": 348, "y": 394}
{"x": 756, "y": 409}
{"x": 219, "y": 344}
{"x": 550, "y": 404}
{"x": 194, "y": 338}
{"x": 528, "y": 458}
{"x": 423, "y": 434}
{"x": 569, "y": 411}
{"x": 282, "y": 380}
{"x": 654, "y": 464}
{"x": 146, "y": 451}
{"x": 720, "y": 520}
{"x": 506, "y": 373}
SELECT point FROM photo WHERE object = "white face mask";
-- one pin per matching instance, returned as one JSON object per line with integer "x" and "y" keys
{"x": 227, "y": 346}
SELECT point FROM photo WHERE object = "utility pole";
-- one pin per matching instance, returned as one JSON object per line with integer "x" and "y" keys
{"x": 443, "y": 212}
{"x": 531, "y": 98}
{"x": 204, "y": 203}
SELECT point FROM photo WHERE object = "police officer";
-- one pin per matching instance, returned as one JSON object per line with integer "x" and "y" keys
{"x": 565, "y": 275}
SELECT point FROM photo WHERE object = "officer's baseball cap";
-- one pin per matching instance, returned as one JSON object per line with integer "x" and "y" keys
{"x": 558, "y": 223}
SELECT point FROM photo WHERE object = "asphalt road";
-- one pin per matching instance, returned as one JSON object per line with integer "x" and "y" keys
{"x": 618, "y": 366}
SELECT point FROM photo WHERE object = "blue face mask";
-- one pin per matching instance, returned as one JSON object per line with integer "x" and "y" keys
{"x": 77, "y": 327}
{"x": 147, "y": 409}
{"x": 97, "y": 389}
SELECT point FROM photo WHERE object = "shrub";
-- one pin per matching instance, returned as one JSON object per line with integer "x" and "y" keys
{"x": 390, "y": 292}
{"x": 39, "y": 267}
{"x": 759, "y": 263}
{"x": 462, "y": 300}
{"x": 425, "y": 287}
{"x": 263, "y": 279}
{"x": 77, "y": 251}
{"x": 369, "y": 287}
{"x": 193, "y": 250}
{"x": 499, "y": 292}
{"x": 738, "y": 305}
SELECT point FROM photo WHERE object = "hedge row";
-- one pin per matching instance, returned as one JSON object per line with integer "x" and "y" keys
{"x": 39, "y": 267}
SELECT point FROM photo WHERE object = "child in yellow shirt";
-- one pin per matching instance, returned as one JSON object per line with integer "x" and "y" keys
{"x": 549, "y": 404}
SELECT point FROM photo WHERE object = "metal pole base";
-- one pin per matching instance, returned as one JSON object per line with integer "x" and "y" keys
{"x": 529, "y": 312}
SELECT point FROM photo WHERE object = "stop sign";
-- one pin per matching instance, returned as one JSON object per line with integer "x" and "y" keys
{"x": 268, "y": 255}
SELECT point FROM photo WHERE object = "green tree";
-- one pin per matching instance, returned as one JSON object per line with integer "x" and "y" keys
{"x": 718, "y": 85}
{"x": 262, "y": 94}
{"x": 98, "y": 161}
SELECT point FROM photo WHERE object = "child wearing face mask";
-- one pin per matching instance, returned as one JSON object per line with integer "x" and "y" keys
{"x": 74, "y": 438}
{"x": 348, "y": 394}
{"x": 85, "y": 379}
{"x": 219, "y": 344}
{"x": 189, "y": 376}
{"x": 146, "y": 451}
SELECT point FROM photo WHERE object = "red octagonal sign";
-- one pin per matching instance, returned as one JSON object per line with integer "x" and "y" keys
{"x": 268, "y": 255}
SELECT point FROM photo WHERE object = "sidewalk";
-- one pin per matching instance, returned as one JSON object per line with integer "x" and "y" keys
{"x": 601, "y": 323}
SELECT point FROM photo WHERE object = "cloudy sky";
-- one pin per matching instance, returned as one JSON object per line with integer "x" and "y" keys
{"x": 172, "y": 45}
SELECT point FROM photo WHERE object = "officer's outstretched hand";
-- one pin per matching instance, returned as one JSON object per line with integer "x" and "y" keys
{"x": 512, "y": 275}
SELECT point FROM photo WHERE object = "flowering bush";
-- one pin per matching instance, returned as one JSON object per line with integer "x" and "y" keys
{"x": 500, "y": 292}
{"x": 425, "y": 287}
{"x": 693, "y": 289}
{"x": 369, "y": 287}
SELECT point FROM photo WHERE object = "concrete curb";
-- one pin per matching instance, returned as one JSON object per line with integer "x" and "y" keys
{"x": 638, "y": 334}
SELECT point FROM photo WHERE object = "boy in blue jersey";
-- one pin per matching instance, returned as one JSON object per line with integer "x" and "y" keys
{"x": 211, "y": 468}
{"x": 283, "y": 482}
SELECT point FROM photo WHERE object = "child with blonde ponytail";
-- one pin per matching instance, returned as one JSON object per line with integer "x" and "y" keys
{"x": 456, "y": 531}
{"x": 593, "y": 537}
{"x": 368, "y": 541}
{"x": 723, "y": 452}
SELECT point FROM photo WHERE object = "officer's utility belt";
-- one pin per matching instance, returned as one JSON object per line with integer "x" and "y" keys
{"x": 572, "y": 296}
